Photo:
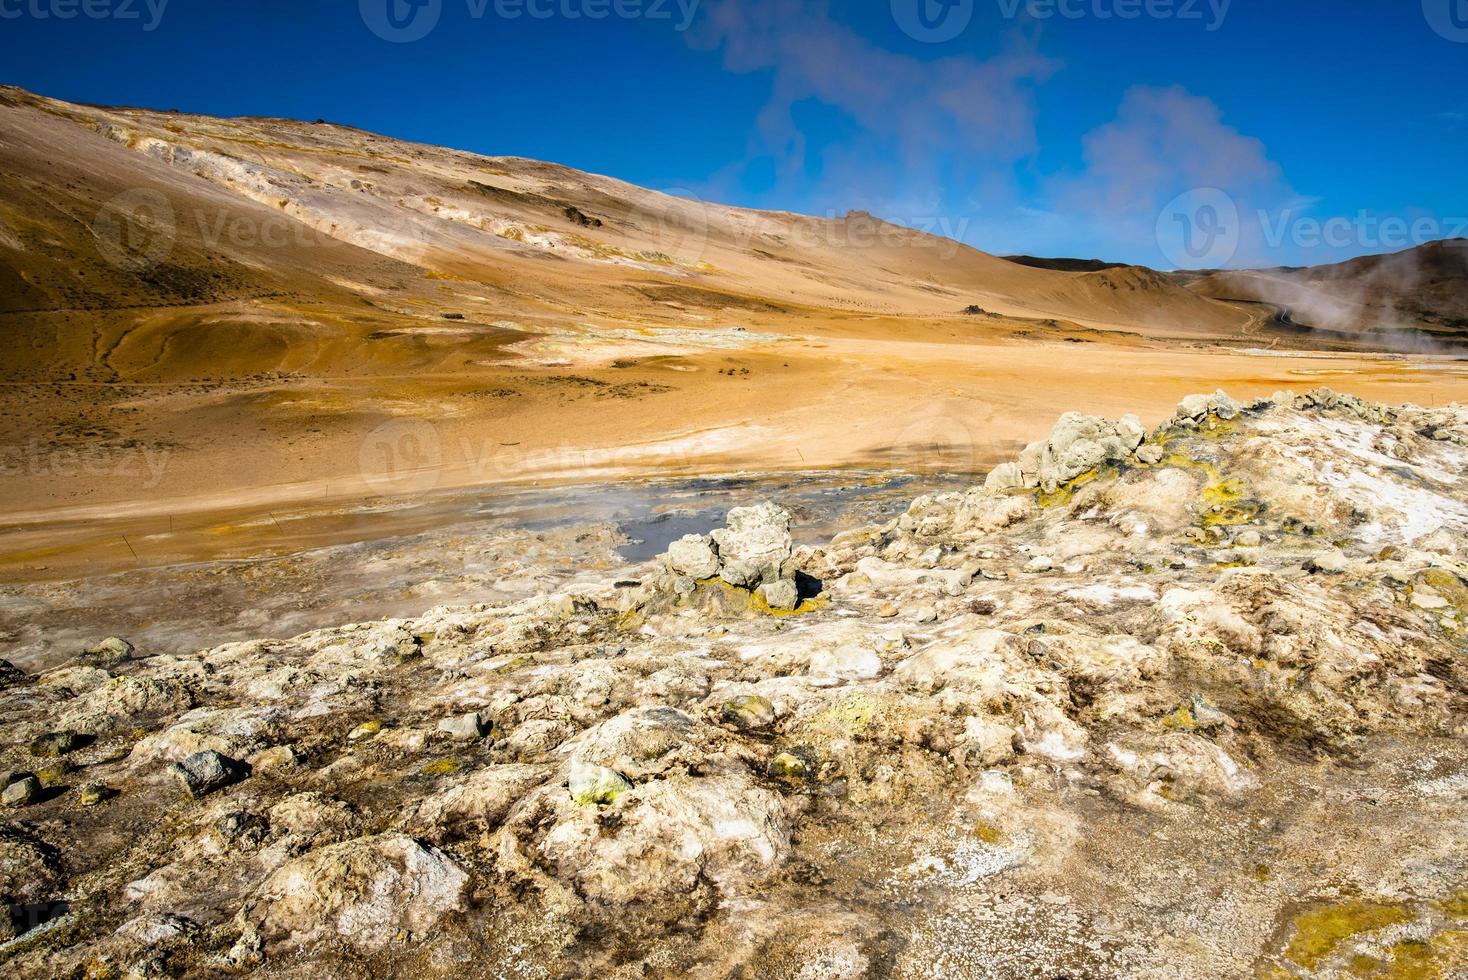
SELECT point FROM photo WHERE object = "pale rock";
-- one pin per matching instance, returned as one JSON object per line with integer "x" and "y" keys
{"x": 1331, "y": 562}
{"x": 20, "y": 792}
{"x": 1198, "y": 407}
{"x": 758, "y": 536}
{"x": 749, "y": 712}
{"x": 596, "y": 785}
{"x": 780, "y": 595}
{"x": 462, "y": 728}
{"x": 987, "y": 742}
{"x": 361, "y": 893}
{"x": 845, "y": 664}
{"x": 1248, "y": 539}
{"x": 692, "y": 556}
{"x": 723, "y": 828}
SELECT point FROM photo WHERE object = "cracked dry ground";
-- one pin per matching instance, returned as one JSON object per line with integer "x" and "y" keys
{"x": 1179, "y": 703}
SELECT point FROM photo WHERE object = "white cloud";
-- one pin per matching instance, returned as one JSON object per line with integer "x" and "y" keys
{"x": 917, "y": 121}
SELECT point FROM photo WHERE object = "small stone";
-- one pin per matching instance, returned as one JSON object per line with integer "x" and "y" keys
{"x": 94, "y": 794}
{"x": 740, "y": 574}
{"x": 749, "y": 712}
{"x": 1039, "y": 563}
{"x": 1327, "y": 563}
{"x": 1248, "y": 539}
{"x": 888, "y": 611}
{"x": 10, "y": 674}
{"x": 204, "y": 772}
{"x": 1425, "y": 597}
{"x": 24, "y": 790}
{"x": 274, "y": 758}
{"x": 464, "y": 728}
{"x": 368, "y": 729}
{"x": 109, "y": 653}
{"x": 8, "y": 776}
{"x": 927, "y": 614}
{"x": 596, "y": 784}
{"x": 692, "y": 556}
{"x": 55, "y": 774}
{"x": 788, "y": 767}
{"x": 56, "y": 744}
{"x": 781, "y": 595}
{"x": 1150, "y": 455}
{"x": 1195, "y": 714}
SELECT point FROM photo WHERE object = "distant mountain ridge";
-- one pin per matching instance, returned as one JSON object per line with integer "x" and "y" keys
{"x": 1418, "y": 296}
{"x": 1064, "y": 265}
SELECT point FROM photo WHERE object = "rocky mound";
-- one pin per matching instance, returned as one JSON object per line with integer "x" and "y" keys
{"x": 1180, "y": 702}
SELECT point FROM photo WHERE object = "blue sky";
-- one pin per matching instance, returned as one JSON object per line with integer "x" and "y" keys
{"x": 1192, "y": 132}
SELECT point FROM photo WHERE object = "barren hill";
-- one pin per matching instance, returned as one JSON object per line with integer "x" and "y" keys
{"x": 1414, "y": 299}
{"x": 273, "y": 309}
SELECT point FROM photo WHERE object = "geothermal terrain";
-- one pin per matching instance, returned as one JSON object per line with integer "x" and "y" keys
{"x": 1179, "y": 702}
{"x": 721, "y": 606}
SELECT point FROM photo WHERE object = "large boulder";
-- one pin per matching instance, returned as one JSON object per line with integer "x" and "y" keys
{"x": 1199, "y": 407}
{"x": 1078, "y": 443}
{"x": 363, "y": 893}
{"x": 724, "y": 829}
{"x": 205, "y": 772}
{"x": 756, "y": 541}
{"x": 692, "y": 556}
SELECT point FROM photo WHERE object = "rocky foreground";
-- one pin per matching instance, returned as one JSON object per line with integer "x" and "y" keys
{"x": 1180, "y": 703}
